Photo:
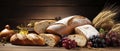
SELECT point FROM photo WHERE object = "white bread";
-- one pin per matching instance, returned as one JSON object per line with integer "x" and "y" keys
{"x": 79, "y": 38}
{"x": 30, "y": 39}
{"x": 40, "y": 27}
{"x": 50, "y": 39}
{"x": 67, "y": 25}
{"x": 87, "y": 30}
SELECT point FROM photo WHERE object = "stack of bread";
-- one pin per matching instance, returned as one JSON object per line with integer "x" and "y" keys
{"x": 50, "y": 32}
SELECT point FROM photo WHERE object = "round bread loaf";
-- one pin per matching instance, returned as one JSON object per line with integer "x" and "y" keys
{"x": 67, "y": 25}
{"x": 50, "y": 39}
{"x": 40, "y": 27}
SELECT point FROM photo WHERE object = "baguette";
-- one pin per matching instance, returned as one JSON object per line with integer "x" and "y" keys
{"x": 67, "y": 25}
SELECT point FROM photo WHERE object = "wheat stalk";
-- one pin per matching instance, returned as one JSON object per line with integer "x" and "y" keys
{"x": 109, "y": 12}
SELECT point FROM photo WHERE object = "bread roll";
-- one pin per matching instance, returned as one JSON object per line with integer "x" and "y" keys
{"x": 7, "y": 33}
{"x": 87, "y": 30}
{"x": 67, "y": 25}
{"x": 30, "y": 39}
{"x": 79, "y": 38}
{"x": 50, "y": 39}
{"x": 40, "y": 27}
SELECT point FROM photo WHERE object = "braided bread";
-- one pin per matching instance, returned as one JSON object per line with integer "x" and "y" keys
{"x": 30, "y": 39}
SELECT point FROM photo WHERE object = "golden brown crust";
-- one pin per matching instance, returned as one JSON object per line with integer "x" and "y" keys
{"x": 51, "y": 39}
{"x": 79, "y": 38}
{"x": 67, "y": 25}
{"x": 7, "y": 34}
{"x": 30, "y": 39}
{"x": 40, "y": 27}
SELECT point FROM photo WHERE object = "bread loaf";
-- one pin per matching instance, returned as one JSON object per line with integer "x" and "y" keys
{"x": 50, "y": 39}
{"x": 67, "y": 25}
{"x": 40, "y": 27}
{"x": 30, "y": 39}
{"x": 7, "y": 33}
{"x": 79, "y": 38}
{"x": 87, "y": 30}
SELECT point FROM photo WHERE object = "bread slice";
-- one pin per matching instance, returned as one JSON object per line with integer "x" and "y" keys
{"x": 50, "y": 39}
{"x": 79, "y": 38}
{"x": 87, "y": 30}
{"x": 40, "y": 27}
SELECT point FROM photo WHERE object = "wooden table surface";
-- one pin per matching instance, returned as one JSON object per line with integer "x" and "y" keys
{"x": 9, "y": 47}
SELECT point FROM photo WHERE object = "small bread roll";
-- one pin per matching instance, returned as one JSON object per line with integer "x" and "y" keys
{"x": 79, "y": 38}
{"x": 50, "y": 39}
{"x": 40, "y": 27}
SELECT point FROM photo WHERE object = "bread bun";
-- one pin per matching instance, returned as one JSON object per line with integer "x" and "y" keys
{"x": 79, "y": 38}
{"x": 7, "y": 33}
{"x": 87, "y": 30}
{"x": 67, "y": 25}
{"x": 40, "y": 27}
{"x": 50, "y": 39}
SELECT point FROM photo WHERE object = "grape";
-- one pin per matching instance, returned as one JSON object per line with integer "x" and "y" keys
{"x": 96, "y": 42}
{"x": 112, "y": 39}
{"x": 68, "y": 43}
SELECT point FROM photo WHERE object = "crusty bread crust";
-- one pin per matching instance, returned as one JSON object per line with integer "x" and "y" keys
{"x": 67, "y": 25}
{"x": 40, "y": 27}
{"x": 51, "y": 39}
{"x": 30, "y": 39}
{"x": 79, "y": 38}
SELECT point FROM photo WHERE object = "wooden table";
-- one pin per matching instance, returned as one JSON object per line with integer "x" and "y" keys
{"x": 9, "y": 47}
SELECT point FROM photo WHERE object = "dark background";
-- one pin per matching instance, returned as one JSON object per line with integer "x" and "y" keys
{"x": 16, "y": 12}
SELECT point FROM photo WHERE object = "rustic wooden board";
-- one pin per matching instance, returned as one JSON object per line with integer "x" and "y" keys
{"x": 9, "y": 47}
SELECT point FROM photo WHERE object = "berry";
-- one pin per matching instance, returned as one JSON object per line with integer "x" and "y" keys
{"x": 96, "y": 42}
{"x": 68, "y": 43}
